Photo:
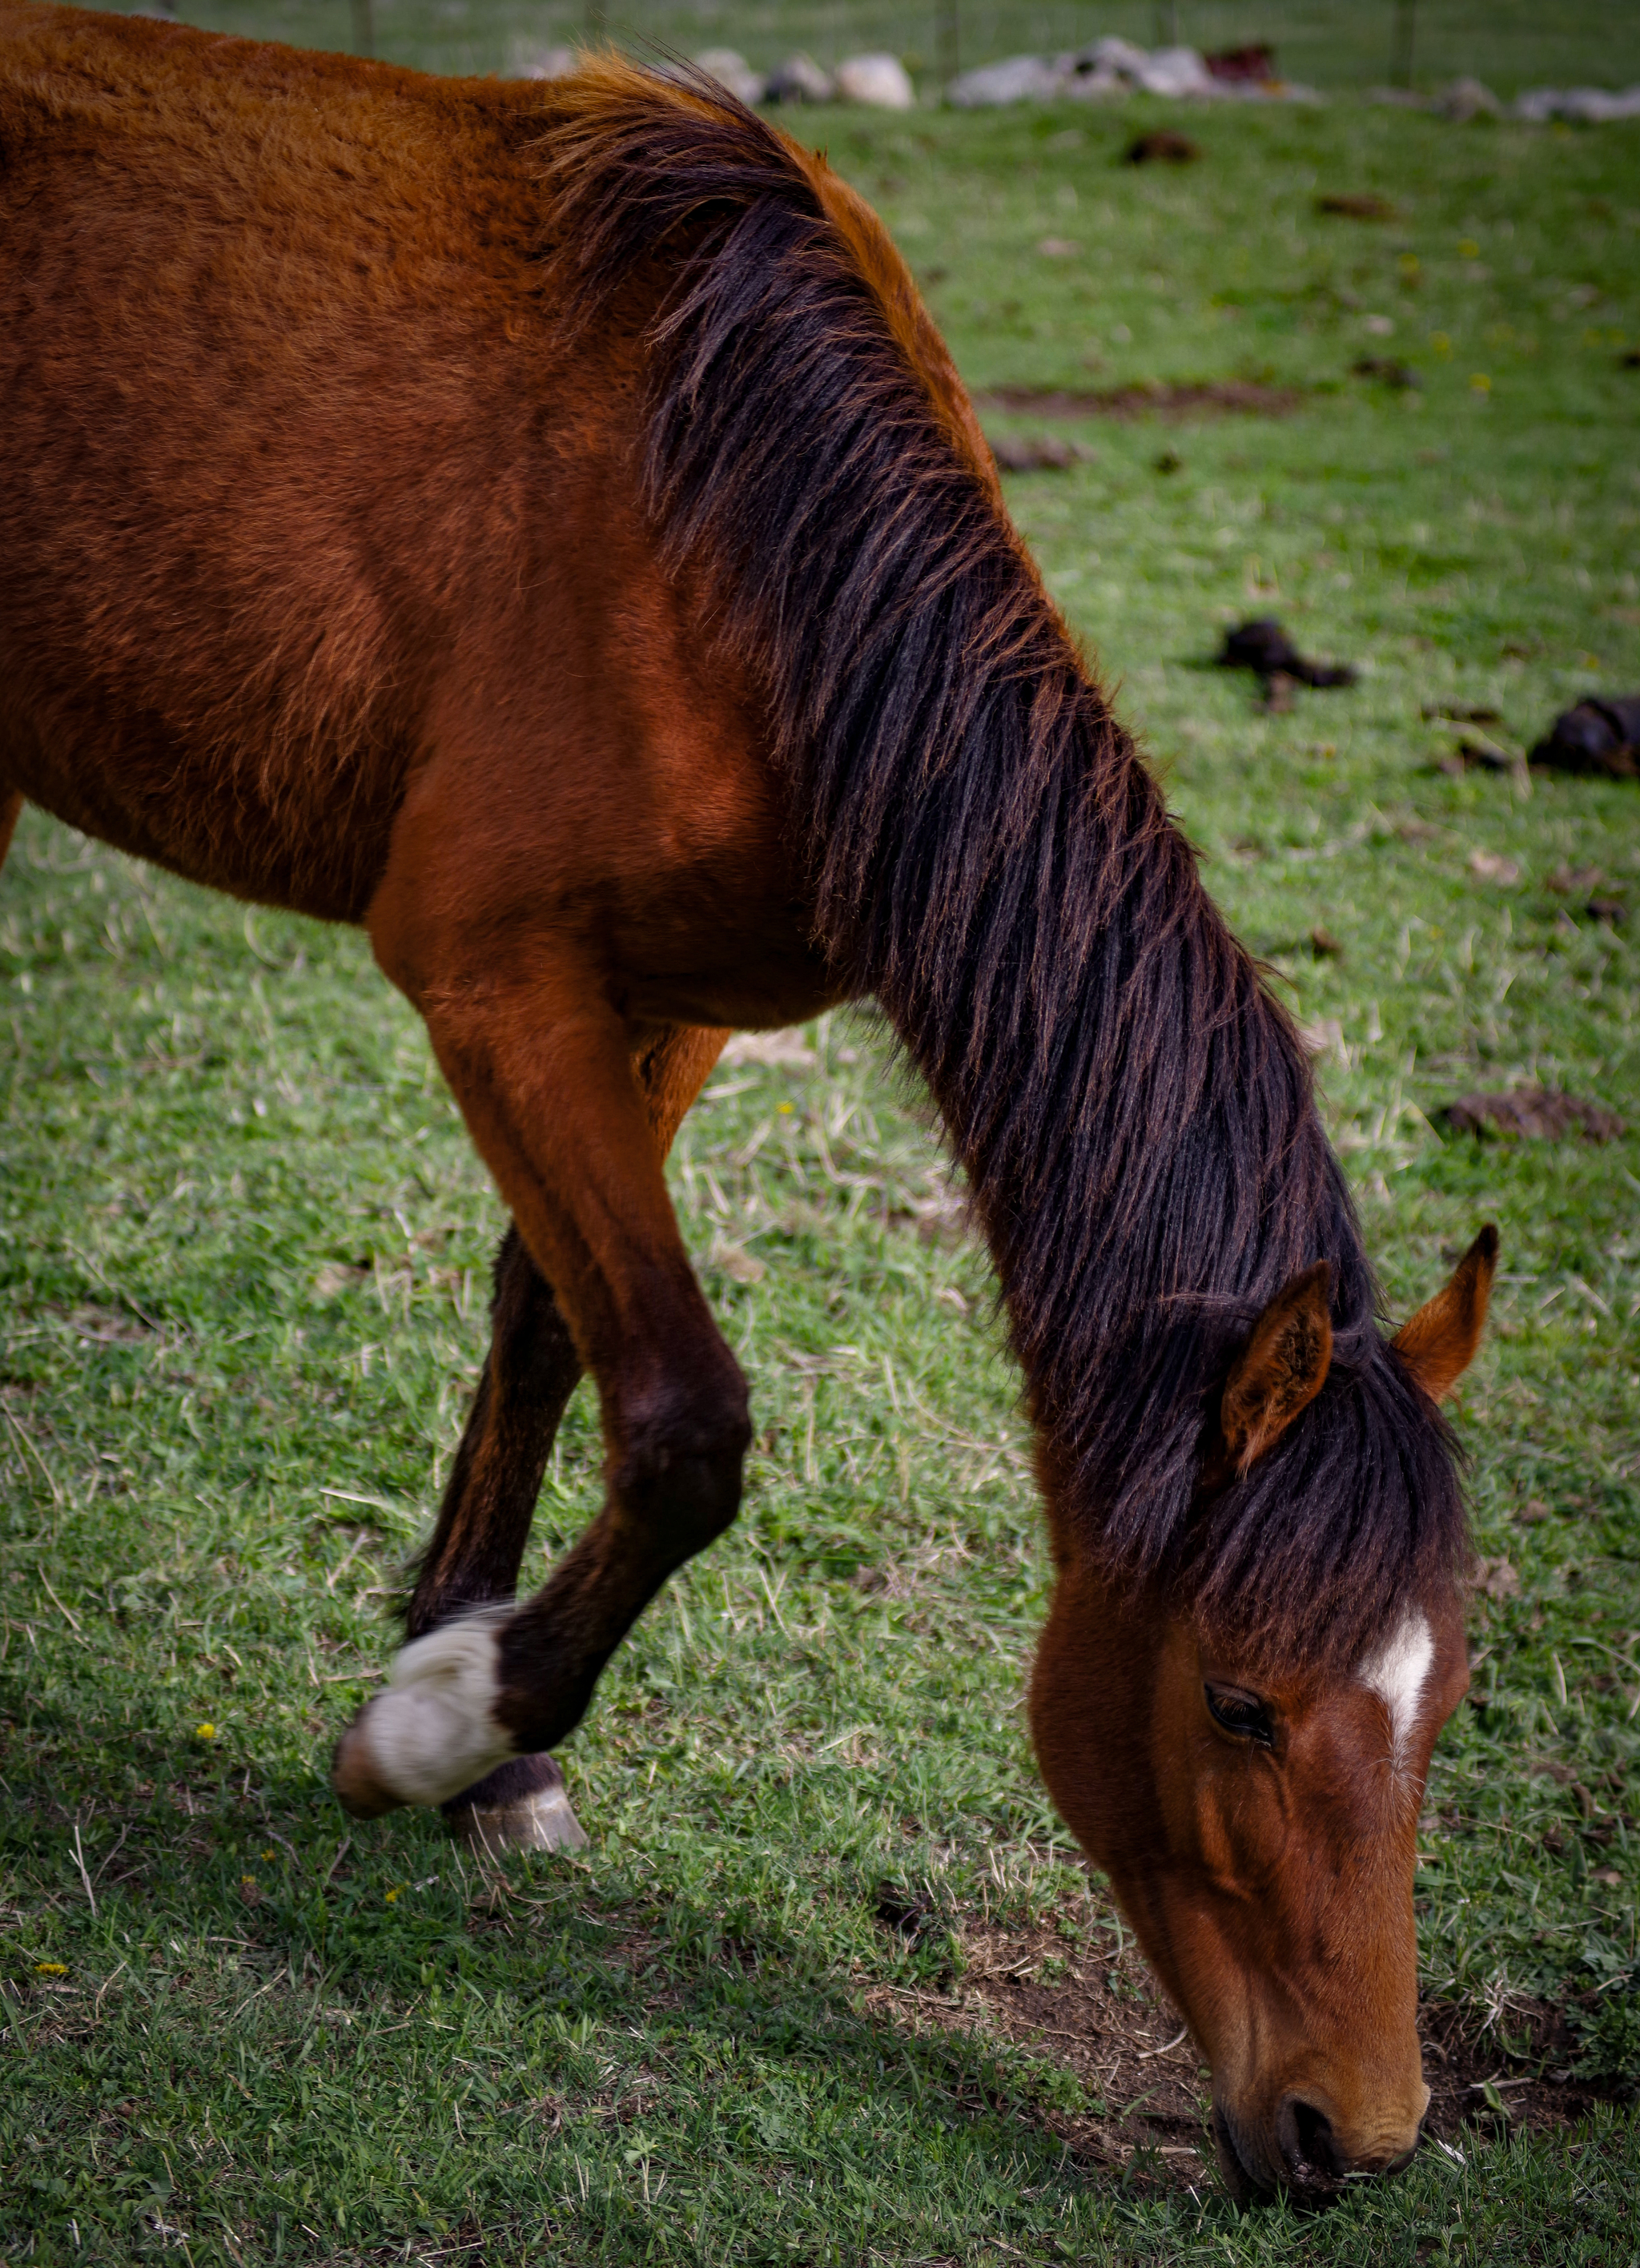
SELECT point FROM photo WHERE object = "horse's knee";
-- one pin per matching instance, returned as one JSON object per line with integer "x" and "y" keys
{"x": 704, "y": 1491}
{"x": 680, "y": 1456}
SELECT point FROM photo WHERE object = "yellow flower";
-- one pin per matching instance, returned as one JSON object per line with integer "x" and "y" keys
{"x": 1441, "y": 343}
{"x": 205, "y": 1732}
{"x": 51, "y": 1968}
{"x": 1469, "y": 248}
{"x": 785, "y": 1109}
{"x": 264, "y": 1854}
{"x": 390, "y": 1897}
{"x": 1479, "y": 383}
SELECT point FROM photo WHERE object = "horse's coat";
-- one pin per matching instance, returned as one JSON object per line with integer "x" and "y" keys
{"x": 542, "y": 524}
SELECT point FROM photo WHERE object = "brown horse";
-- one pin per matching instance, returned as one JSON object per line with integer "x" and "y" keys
{"x": 543, "y": 525}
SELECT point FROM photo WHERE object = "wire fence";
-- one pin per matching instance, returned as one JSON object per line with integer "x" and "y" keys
{"x": 1336, "y": 45}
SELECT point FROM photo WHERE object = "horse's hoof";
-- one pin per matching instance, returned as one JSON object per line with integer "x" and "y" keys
{"x": 521, "y": 1805}
{"x": 353, "y": 1775}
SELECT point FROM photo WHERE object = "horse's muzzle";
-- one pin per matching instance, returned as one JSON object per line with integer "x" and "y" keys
{"x": 1299, "y": 2159}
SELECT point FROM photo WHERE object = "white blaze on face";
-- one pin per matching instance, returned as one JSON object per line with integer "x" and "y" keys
{"x": 431, "y": 1733}
{"x": 1396, "y": 1673}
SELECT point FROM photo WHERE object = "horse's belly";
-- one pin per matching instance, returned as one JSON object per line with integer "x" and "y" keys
{"x": 166, "y": 805}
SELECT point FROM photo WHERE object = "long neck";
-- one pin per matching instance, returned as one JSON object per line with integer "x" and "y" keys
{"x": 987, "y": 852}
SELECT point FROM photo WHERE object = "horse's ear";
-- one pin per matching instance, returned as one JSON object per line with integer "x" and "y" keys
{"x": 1438, "y": 1344}
{"x": 1280, "y": 1370}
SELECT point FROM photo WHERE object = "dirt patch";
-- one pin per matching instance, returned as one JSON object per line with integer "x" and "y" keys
{"x": 1105, "y": 2021}
{"x": 1387, "y": 371}
{"x": 1216, "y": 397}
{"x": 1357, "y": 205}
{"x": 1518, "y": 2071}
{"x": 1162, "y": 146}
{"x": 1036, "y": 452}
{"x": 1532, "y": 1114}
{"x": 1099, "y": 2018}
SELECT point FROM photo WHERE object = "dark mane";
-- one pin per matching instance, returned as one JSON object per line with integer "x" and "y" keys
{"x": 989, "y": 856}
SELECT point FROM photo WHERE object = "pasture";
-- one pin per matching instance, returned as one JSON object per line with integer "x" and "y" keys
{"x": 829, "y": 1984}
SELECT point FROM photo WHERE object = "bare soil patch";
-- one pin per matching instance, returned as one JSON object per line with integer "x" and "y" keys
{"x": 1357, "y": 205}
{"x": 1036, "y": 452}
{"x": 1214, "y": 397}
{"x": 1525, "y": 2060}
{"x": 1163, "y": 146}
{"x": 1099, "y": 2018}
{"x": 1104, "y": 2020}
{"x": 1532, "y": 1114}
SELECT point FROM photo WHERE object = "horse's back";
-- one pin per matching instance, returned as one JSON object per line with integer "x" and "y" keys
{"x": 277, "y": 402}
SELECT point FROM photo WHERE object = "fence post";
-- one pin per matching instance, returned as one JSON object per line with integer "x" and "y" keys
{"x": 1166, "y": 22}
{"x": 947, "y": 38}
{"x": 364, "y": 28}
{"x": 1400, "y": 56}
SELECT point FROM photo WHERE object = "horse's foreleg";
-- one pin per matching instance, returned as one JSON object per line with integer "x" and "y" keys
{"x": 530, "y": 1371}
{"x": 575, "y": 1136}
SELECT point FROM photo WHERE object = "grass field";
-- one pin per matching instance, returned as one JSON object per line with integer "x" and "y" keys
{"x": 804, "y": 1999}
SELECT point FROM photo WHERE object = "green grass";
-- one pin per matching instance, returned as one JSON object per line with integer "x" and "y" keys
{"x": 243, "y": 1249}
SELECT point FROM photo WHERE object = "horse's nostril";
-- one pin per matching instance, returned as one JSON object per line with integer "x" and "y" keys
{"x": 1306, "y": 2135}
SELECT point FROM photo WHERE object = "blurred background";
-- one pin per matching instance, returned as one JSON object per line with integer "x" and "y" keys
{"x": 1333, "y": 44}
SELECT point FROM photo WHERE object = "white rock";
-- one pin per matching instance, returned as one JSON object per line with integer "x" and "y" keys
{"x": 1465, "y": 98}
{"x": 1176, "y": 71}
{"x": 1111, "y": 66}
{"x": 732, "y": 71}
{"x": 1589, "y": 106}
{"x": 1021, "y": 78}
{"x": 529, "y": 59}
{"x": 1158, "y": 70}
{"x": 1086, "y": 79}
{"x": 880, "y": 80}
{"x": 800, "y": 79}
{"x": 1112, "y": 53}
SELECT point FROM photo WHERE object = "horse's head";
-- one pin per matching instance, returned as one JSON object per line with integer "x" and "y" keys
{"x": 1258, "y": 1824}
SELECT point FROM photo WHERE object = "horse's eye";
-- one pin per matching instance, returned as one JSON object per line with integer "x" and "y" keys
{"x": 1240, "y": 1713}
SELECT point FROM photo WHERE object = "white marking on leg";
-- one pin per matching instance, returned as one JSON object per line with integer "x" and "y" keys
{"x": 431, "y": 1733}
{"x": 1396, "y": 1674}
